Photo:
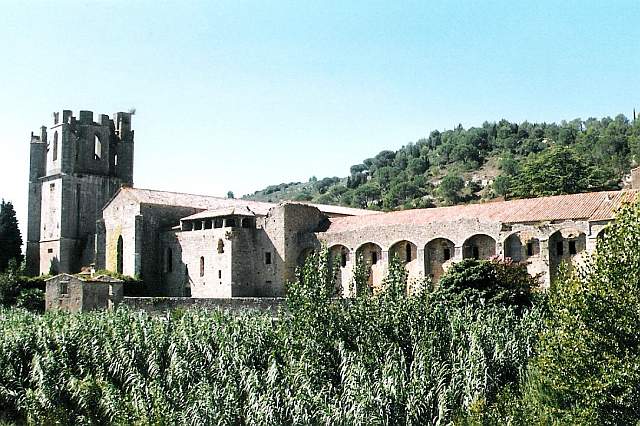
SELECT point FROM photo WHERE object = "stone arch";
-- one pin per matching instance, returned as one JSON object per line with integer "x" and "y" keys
{"x": 120, "y": 256}
{"x": 371, "y": 255}
{"x": 479, "y": 246}
{"x": 304, "y": 254}
{"x": 340, "y": 260}
{"x": 405, "y": 250}
{"x": 566, "y": 245}
{"x": 438, "y": 255}
{"x": 520, "y": 246}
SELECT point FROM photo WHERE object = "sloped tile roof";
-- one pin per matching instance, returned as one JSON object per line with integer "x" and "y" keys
{"x": 588, "y": 206}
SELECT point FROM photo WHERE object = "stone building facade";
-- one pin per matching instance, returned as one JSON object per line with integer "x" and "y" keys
{"x": 77, "y": 164}
{"x": 77, "y": 293}
{"x": 84, "y": 210}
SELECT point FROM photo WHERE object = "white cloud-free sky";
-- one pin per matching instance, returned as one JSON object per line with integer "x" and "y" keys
{"x": 236, "y": 95}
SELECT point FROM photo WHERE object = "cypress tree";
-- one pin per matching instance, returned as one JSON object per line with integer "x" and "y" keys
{"x": 10, "y": 238}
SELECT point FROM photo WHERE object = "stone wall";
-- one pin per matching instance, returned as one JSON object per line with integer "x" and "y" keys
{"x": 438, "y": 245}
{"x": 162, "y": 305}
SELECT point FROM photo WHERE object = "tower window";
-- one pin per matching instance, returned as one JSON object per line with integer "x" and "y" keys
{"x": 202, "y": 266}
{"x": 267, "y": 258}
{"x": 55, "y": 146}
{"x": 97, "y": 148}
{"x": 169, "y": 261}
{"x": 219, "y": 274}
{"x": 572, "y": 247}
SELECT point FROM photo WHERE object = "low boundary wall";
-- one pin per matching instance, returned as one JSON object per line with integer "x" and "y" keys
{"x": 160, "y": 305}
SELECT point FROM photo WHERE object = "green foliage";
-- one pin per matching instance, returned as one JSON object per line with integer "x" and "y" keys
{"x": 16, "y": 289}
{"x": 545, "y": 153}
{"x": 10, "y": 238}
{"x": 392, "y": 358}
{"x": 484, "y": 282}
{"x": 450, "y": 187}
{"x": 588, "y": 367}
{"x": 559, "y": 170}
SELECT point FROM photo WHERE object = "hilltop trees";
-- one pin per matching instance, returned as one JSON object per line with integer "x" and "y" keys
{"x": 10, "y": 238}
{"x": 523, "y": 160}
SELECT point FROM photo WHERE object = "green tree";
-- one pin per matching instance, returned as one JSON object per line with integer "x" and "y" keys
{"x": 501, "y": 186}
{"x": 588, "y": 367}
{"x": 10, "y": 238}
{"x": 558, "y": 170}
{"x": 450, "y": 187}
{"x": 230, "y": 194}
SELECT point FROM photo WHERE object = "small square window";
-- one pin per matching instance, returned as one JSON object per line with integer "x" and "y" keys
{"x": 64, "y": 289}
{"x": 49, "y": 250}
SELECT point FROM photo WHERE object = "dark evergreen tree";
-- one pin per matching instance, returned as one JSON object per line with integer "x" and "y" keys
{"x": 10, "y": 238}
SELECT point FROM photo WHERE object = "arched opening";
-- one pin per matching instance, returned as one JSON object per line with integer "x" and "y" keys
{"x": 479, "y": 246}
{"x": 339, "y": 254}
{"x": 513, "y": 248}
{"x": 371, "y": 255}
{"x": 304, "y": 255}
{"x": 55, "y": 145}
{"x": 404, "y": 250}
{"x": 439, "y": 255}
{"x": 220, "y": 246}
{"x": 339, "y": 257}
{"x": 565, "y": 245}
{"x": 201, "y": 266}
{"x": 168, "y": 261}
{"x": 119, "y": 256}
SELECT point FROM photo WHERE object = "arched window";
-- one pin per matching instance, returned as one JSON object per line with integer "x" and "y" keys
{"x": 55, "y": 146}
{"x": 169, "y": 261}
{"x": 220, "y": 246}
{"x": 119, "y": 256}
{"x": 202, "y": 266}
{"x": 97, "y": 148}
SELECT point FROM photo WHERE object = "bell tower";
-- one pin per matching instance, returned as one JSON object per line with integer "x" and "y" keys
{"x": 77, "y": 164}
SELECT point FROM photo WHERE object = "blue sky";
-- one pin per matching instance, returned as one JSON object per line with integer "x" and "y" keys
{"x": 236, "y": 95}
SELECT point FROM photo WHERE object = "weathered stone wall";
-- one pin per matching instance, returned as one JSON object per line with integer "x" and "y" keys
{"x": 79, "y": 295}
{"x": 76, "y": 168}
{"x": 162, "y": 305}
{"x": 438, "y": 245}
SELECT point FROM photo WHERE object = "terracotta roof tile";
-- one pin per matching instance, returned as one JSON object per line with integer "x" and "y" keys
{"x": 587, "y": 206}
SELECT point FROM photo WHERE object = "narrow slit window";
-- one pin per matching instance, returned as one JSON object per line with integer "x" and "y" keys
{"x": 55, "y": 146}
{"x": 169, "y": 261}
{"x": 202, "y": 266}
{"x": 267, "y": 258}
{"x": 220, "y": 246}
{"x": 97, "y": 148}
{"x": 219, "y": 274}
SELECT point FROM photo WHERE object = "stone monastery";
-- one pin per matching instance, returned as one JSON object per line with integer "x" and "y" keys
{"x": 84, "y": 210}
